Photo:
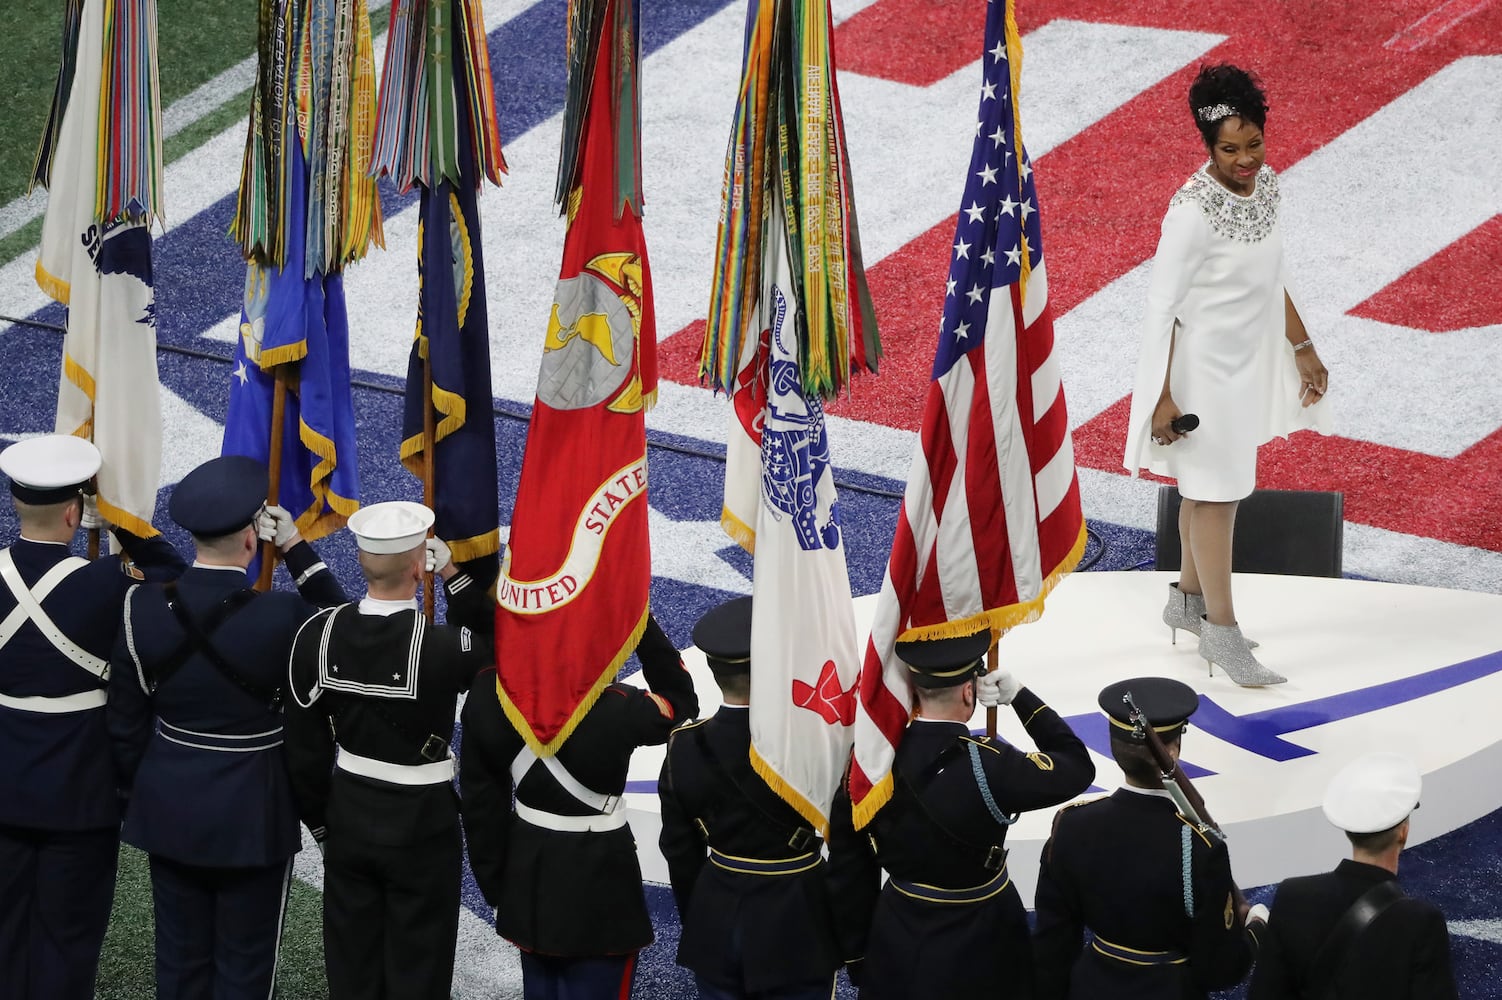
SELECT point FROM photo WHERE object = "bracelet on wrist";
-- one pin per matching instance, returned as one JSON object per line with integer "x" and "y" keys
{"x": 1301, "y": 346}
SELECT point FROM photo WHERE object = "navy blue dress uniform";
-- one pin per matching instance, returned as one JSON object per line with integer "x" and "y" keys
{"x": 1352, "y": 933}
{"x": 373, "y": 688}
{"x": 195, "y": 715}
{"x": 561, "y": 867}
{"x": 747, "y": 869}
{"x": 949, "y": 922}
{"x": 59, "y": 814}
{"x": 1153, "y": 891}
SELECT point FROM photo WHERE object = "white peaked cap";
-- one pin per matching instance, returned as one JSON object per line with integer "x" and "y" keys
{"x": 393, "y": 526}
{"x": 1373, "y": 793}
{"x": 52, "y": 461}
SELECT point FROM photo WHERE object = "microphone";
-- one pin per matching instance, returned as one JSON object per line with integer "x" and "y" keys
{"x": 1184, "y": 423}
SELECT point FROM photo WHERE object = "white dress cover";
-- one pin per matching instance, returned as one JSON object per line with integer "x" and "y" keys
{"x": 1219, "y": 275}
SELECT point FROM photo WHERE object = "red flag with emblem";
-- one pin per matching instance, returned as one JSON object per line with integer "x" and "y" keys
{"x": 573, "y": 588}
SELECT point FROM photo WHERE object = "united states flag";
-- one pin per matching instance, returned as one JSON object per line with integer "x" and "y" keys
{"x": 991, "y": 516}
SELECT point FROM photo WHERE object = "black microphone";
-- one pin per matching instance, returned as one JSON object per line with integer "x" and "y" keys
{"x": 1184, "y": 423}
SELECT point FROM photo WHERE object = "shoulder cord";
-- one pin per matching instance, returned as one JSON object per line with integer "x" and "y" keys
{"x": 985, "y": 789}
{"x": 1186, "y": 839}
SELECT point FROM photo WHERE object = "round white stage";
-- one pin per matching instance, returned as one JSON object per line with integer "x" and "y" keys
{"x": 1370, "y": 666}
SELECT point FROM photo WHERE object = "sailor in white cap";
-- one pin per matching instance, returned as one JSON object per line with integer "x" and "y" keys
{"x": 195, "y": 715}
{"x": 1352, "y": 932}
{"x": 374, "y": 688}
{"x": 59, "y": 814}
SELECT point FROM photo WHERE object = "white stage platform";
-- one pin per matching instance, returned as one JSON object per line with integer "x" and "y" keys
{"x": 1370, "y": 666}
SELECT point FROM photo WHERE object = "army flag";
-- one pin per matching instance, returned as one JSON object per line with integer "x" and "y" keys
{"x": 574, "y": 584}
{"x": 448, "y": 147}
{"x": 990, "y": 519}
{"x": 305, "y": 209}
{"x": 790, "y": 301}
{"x": 101, "y": 159}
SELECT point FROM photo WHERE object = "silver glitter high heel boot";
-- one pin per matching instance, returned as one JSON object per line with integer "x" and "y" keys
{"x": 1184, "y": 611}
{"x": 1223, "y": 644}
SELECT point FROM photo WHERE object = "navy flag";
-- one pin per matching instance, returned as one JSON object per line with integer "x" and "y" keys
{"x": 454, "y": 332}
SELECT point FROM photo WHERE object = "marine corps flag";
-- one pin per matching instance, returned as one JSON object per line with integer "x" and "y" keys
{"x": 790, "y": 312}
{"x": 101, "y": 158}
{"x": 990, "y": 519}
{"x": 573, "y": 587}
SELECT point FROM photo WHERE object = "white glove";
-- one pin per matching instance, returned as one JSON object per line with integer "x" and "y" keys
{"x": 275, "y": 524}
{"x": 998, "y": 687}
{"x": 439, "y": 555}
{"x": 1259, "y": 911}
{"x": 91, "y": 520}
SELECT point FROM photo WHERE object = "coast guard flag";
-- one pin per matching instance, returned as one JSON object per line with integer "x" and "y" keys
{"x": 103, "y": 171}
{"x": 300, "y": 323}
{"x": 991, "y": 518}
{"x": 781, "y": 505}
{"x": 573, "y": 588}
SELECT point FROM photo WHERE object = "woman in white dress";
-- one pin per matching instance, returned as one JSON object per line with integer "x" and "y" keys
{"x": 1221, "y": 341}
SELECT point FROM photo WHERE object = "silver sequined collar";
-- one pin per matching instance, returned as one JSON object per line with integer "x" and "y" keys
{"x": 1248, "y": 219}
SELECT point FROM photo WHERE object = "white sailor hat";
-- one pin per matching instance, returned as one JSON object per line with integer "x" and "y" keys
{"x": 393, "y": 526}
{"x": 49, "y": 469}
{"x": 1373, "y": 793}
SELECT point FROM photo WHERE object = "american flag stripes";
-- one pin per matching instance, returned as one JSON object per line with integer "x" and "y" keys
{"x": 991, "y": 516}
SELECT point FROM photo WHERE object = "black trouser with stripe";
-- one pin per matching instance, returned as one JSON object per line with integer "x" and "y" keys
{"x": 391, "y": 917}
{"x": 218, "y": 930}
{"x": 55, "y": 895}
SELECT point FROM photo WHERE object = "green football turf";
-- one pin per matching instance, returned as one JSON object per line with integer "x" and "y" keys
{"x": 125, "y": 967}
{"x": 196, "y": 40}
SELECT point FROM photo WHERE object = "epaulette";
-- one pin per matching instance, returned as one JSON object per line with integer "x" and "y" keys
{"x": 984, "y": 744}
{"x": 1053, "y": 830}
{"x": 1200, "y": 833}
{"x": 690, "y": 724}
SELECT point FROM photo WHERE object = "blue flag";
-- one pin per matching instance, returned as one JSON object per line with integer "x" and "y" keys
{"x": 298, "y": 326}
{"x": 453, "y": 330}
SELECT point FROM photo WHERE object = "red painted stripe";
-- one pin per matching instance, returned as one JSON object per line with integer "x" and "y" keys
{"x": 1443, "y": 293}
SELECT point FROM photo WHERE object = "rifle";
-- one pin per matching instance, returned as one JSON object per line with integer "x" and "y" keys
{"x": 1175, "y": 781}
{"x": 1188, "y": 799}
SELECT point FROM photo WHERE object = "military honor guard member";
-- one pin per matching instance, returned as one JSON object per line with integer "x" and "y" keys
{"x": 747, "y": 869}
{"x": 369, "y": 725}
{"x": 949, "y": 922}
{"x": 1352, "y": 932}
{"x": 561, "y": 868}
{"x": 1164, "y": 919}
{"x": 195, "y": 713}
{"x": 59, "y": 814}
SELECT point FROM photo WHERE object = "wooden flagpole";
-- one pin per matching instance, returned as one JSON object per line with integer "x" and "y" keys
{"x": 429, "y": 472}
{"x": 991, "y": 667}
{"x": 278, "y": 419}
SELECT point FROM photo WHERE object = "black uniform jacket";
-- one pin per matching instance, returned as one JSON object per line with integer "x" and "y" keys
{"x": 745, "y": 932}
{"x": 941, "y": 830}
{"x": 57, "y": 772}
{"x": 199, "y": 752}
{"x": 567, "y": 894}
{"x": 1404, "y": 954}
{"x": 1115, "y": 866}
{"x": 383, "y": 687}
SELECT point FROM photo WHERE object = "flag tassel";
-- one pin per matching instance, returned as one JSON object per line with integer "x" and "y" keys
{"x": 278, "y": 417}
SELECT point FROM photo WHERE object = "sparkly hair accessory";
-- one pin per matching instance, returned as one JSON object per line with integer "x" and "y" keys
{"x": 1215, "y": 112}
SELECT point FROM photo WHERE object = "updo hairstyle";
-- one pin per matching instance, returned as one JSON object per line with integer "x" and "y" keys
{"x": 1225, "y": 86}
